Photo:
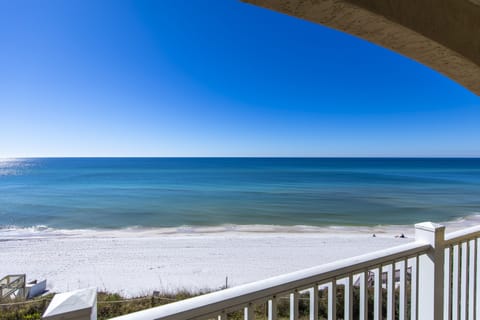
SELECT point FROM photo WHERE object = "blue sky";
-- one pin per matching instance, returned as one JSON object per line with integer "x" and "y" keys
{"x": 213, "y": 78}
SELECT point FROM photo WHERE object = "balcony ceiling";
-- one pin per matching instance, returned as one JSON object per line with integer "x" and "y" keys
{"x": 442, "y": 34}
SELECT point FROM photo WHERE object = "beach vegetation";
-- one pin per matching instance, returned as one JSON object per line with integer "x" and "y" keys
{"x": 111, "y": 305}
{"x": 21, "y": 309}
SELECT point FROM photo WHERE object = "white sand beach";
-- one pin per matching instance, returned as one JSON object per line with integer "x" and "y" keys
{"x": 136, "y": 262}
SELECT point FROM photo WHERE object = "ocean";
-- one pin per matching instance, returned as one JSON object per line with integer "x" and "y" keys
{"x": 230, "y": 193}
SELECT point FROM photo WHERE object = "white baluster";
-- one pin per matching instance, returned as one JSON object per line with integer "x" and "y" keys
{"x": 464, "y": 281}
{"x": 222, "y": 316}
{"x": 378, "y": 315}
{"x": 314, "y": 303}
{"x": 447, "y": 311}
{"x": 476, "y": 283}
{"x": 272, "y": 308}
{"x": 414, "y": 300}
{"x": 249, "y": 312}
{"x": 391, "y": 291}
{"x": 294, "y": 305}
{"x": 471, "y": 279}
{"x": 456, "y": 283}
{"x": 402, "y": 302}
{"x": 332, "y": 300}
{"x": 364, "y": 296}
{"x": 348, "y": 299}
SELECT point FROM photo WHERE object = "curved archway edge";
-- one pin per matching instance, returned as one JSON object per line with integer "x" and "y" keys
{"x": 441, "y": 34}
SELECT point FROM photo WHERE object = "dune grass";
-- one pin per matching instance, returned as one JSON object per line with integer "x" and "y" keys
{"x": 113, "y": 304}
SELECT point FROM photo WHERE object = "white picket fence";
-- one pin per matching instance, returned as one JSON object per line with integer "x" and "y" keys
{"x": 434, "y": 277}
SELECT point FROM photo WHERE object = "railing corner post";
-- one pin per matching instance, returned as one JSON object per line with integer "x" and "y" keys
{"x": 431, "y": 271}
{"x": 78, "y": 304}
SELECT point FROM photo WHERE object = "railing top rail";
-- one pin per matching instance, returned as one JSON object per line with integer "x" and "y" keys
{"x": 16, "y": 276}
{"x": 244, "y": 294}
{"x": 462, "y": 235}
{"x": 11, "y": 279}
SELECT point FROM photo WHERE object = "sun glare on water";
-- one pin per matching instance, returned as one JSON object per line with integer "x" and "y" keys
{"x": 11, "y": 166}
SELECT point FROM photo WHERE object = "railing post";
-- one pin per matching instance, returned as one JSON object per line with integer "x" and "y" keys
{"x": 79, "y": 304}
{"x": 431, "y": 271}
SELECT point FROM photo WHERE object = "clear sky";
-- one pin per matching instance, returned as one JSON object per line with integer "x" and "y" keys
{"x": 213, "y": 78}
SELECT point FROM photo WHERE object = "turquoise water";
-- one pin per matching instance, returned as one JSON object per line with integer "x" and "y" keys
{"x": 75, "y": 193}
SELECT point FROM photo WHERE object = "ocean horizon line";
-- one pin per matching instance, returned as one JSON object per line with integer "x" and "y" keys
{"x": 239, "y": 157}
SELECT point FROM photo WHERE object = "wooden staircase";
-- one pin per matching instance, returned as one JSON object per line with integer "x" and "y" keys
{"x": 12, "y": 286}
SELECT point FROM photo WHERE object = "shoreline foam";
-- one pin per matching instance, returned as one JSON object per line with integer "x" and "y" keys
{"x": 42, "y": 231}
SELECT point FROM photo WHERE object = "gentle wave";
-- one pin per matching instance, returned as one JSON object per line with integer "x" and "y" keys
{"x": 43, "y": 232}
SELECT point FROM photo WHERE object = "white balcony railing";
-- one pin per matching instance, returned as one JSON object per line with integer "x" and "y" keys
{"x": 461, "y": 299}
{"x": 434, "y": 278}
